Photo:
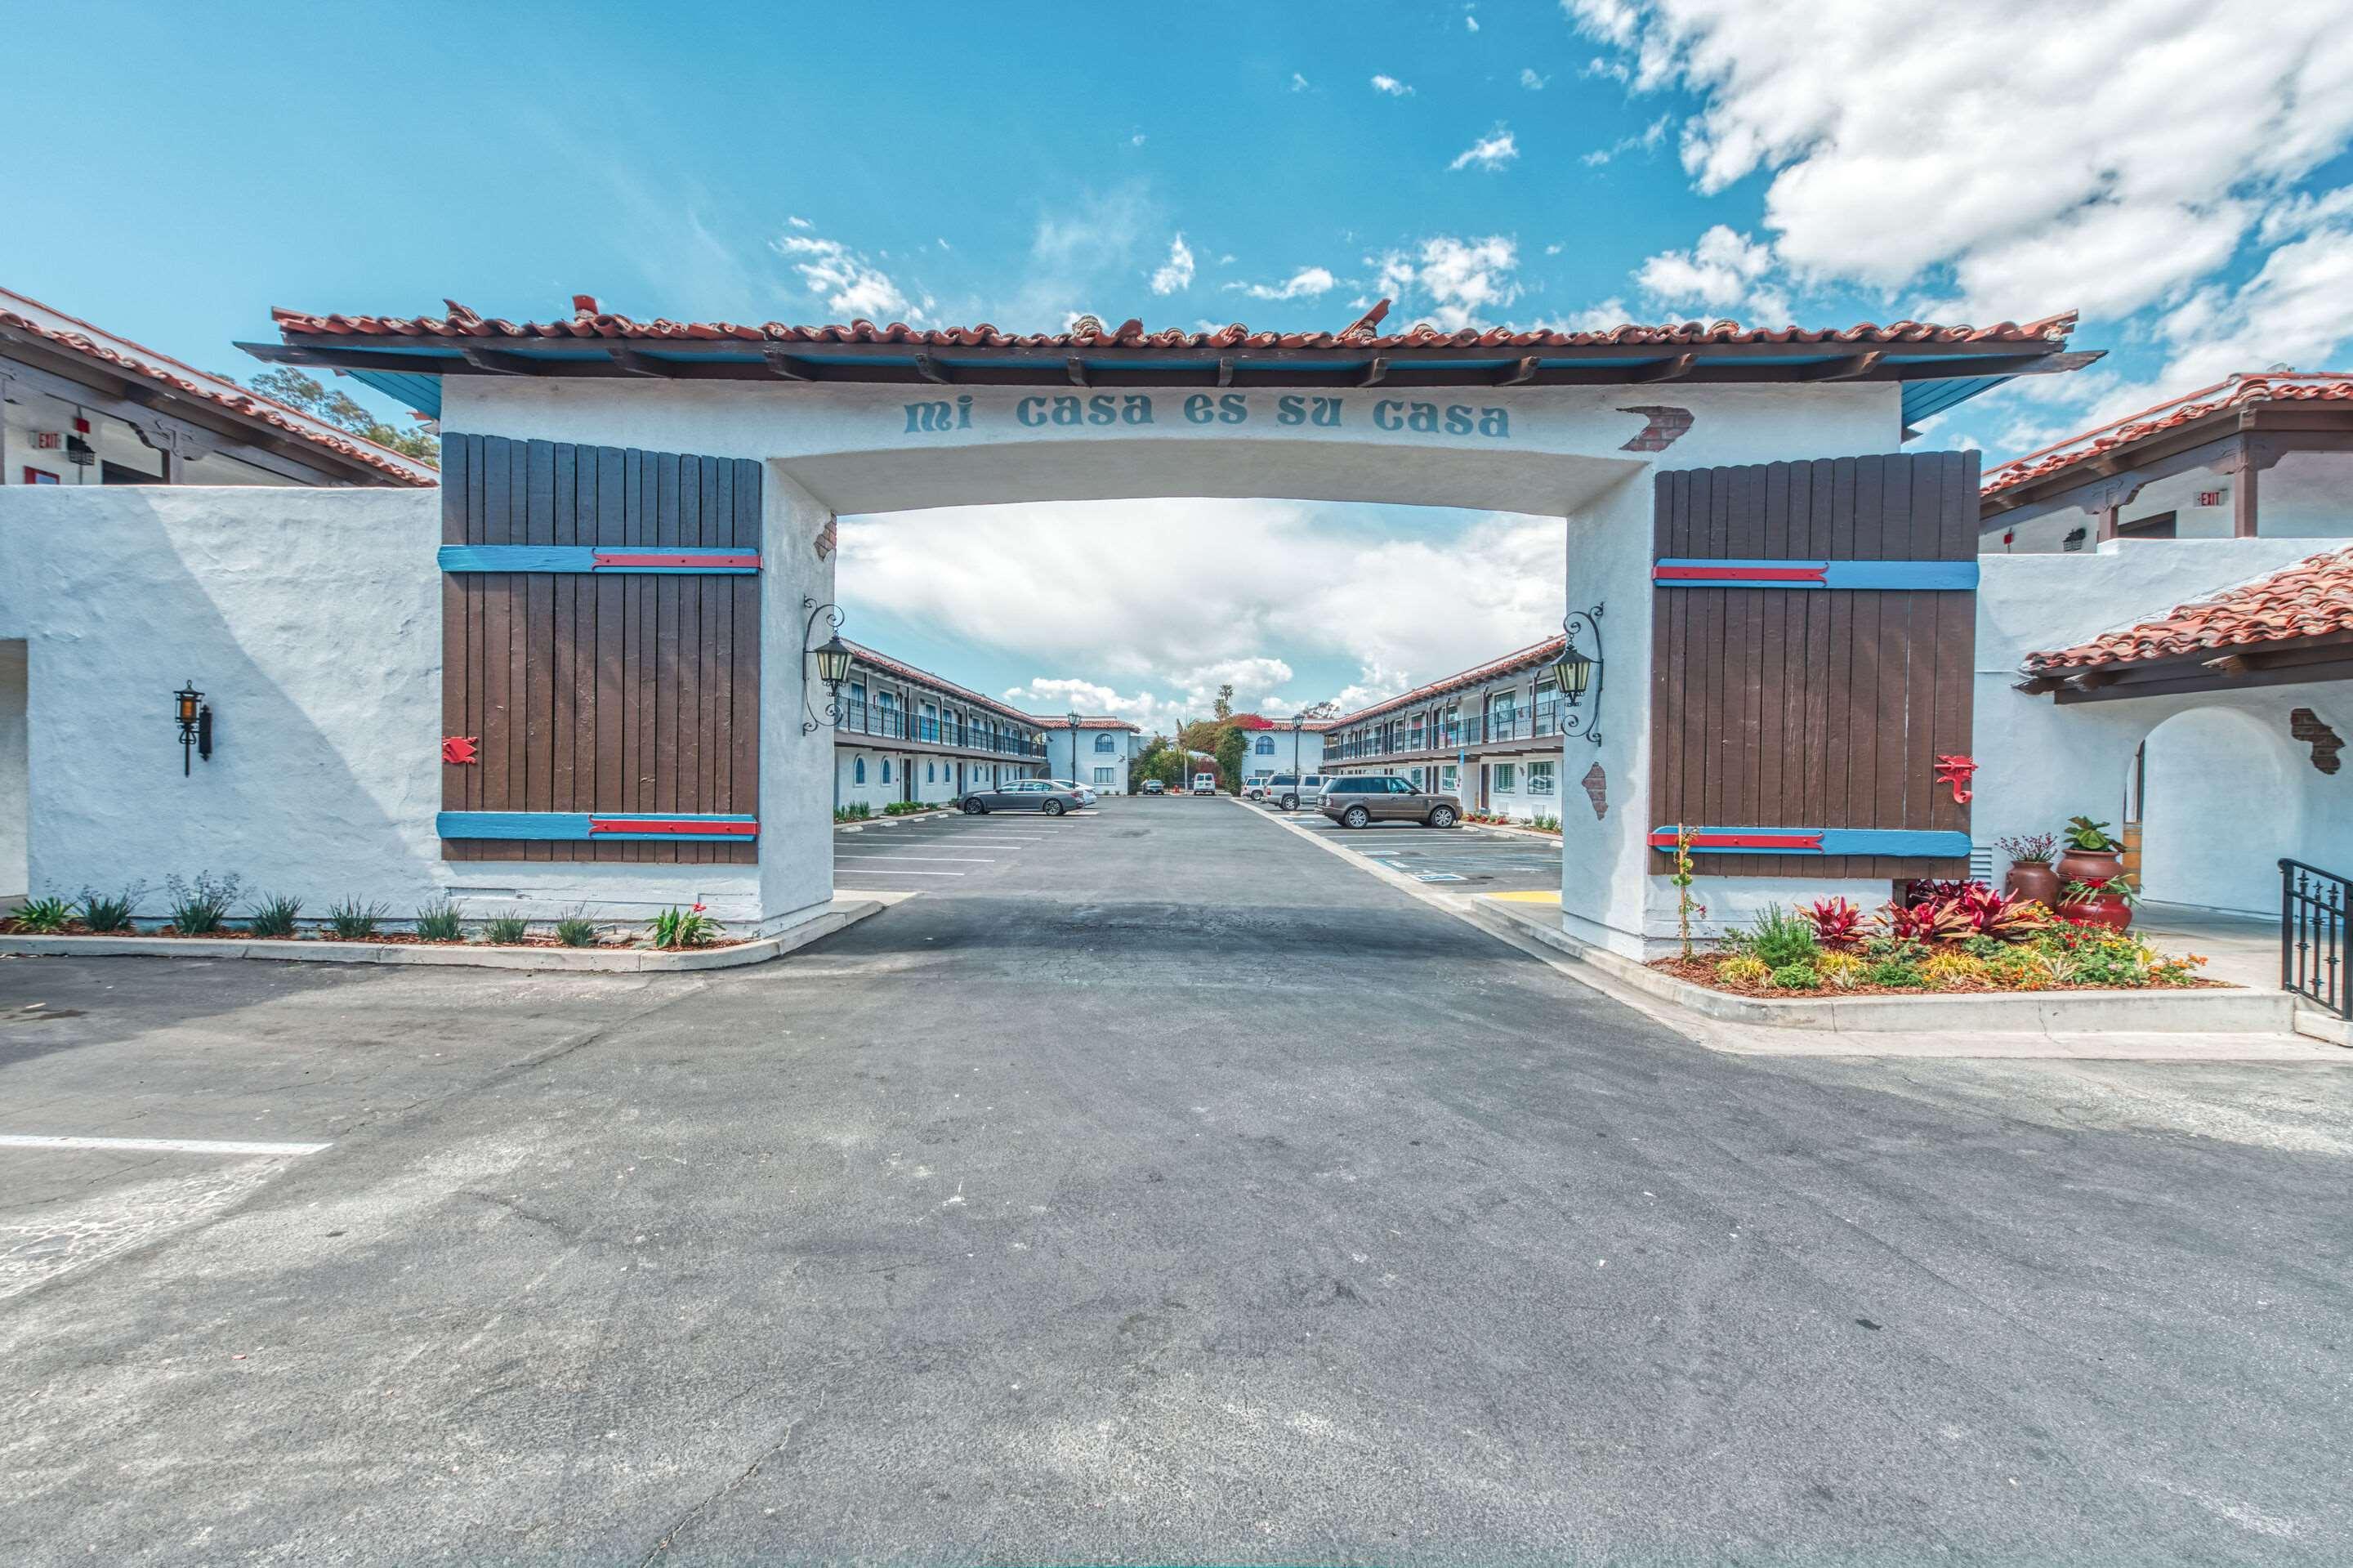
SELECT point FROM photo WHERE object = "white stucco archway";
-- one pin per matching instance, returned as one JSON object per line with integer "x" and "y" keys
{"x": 1582, "y": 453}
{"x": 2222, "y": 792}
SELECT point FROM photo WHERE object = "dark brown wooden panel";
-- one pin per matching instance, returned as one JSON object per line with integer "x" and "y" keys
{"x": 1814, "y": 708}
{"x": 600, "y": 693}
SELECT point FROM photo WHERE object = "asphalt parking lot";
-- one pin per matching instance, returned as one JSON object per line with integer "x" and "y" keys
{"x": 1466, "y": 859}
{"x": 946, "y": 850}
{"x": 1173, "y": 1191}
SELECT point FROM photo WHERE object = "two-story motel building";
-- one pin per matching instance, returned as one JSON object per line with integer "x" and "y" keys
{"x": 1490, "y": 733}
{"x": 907, "y": 735}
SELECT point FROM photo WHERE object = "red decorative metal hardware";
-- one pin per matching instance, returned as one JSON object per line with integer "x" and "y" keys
{"x": 669, "y": 825}
{"x": 1791, "y": 573}
{"x": 458, "y": 750}
{"x": 1665, "y": 839}
{"x": 677, "y": 558}
{"x": 1956, "y": 771}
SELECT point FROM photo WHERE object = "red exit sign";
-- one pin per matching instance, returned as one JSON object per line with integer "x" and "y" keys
{"x": 2209, "y": 498}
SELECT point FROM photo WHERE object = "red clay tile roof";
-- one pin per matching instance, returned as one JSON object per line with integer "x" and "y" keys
{"x": 2310, "y": 599}
{"x": 2237, "y": 392}
{"x": 907, "y": 671}
{"x": 1543, "y": 653}
{"x": 151, "y": 365}
{"x": 462, "y": 323}
{"x": 1062, "y": 721}
{"x": 1259, "y": 722}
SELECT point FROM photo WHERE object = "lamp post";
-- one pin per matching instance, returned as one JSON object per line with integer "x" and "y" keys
{"x": 1298, "y": 723}
{"x": 1072, "y": 719}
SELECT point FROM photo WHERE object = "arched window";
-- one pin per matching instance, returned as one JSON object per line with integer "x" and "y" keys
{"x": 858, "y": 771}
{"x": 886, "y": 770}
{"x": 1266, "y": 745}
{"x": 1103, "y": 743}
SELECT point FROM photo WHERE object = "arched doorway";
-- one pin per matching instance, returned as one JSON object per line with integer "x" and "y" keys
{"x": 2218, "y": 796}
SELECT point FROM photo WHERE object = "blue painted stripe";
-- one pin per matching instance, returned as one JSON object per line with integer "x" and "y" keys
{"x": 576, "y": 825}
{"x": 1917, "y": 577}
{"x": 1907, "y": 841}
{"x": 584, "y": 558}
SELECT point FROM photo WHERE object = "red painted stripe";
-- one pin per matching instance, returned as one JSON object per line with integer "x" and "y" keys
{"x": 1738, "y": 574}
{"x": 685, "y": 825}
{"x": 1743, "y": 841}
{"x": 638, "y": 558}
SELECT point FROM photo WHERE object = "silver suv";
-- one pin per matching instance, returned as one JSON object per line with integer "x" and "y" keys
{"x": 1288, "y": 790}
{"x": 1362, "y": 800}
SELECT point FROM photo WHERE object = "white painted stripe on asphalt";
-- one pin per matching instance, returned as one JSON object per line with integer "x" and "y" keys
{"x": 908, "y": 874}
{"x": 949, "y": 859}
{"x": 159, "y": 1145}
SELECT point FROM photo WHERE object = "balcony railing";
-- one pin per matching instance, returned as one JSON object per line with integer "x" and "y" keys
{"x": 1477, "y": 729}
{"x": 895, "y": 724}
{"x": 2314, "y": 907}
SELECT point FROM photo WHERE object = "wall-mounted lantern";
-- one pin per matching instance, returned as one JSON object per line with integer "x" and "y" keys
{"x": 1578, "y": 672}
{"x": 194, "y": 717}
{"x": 832, "y": 665}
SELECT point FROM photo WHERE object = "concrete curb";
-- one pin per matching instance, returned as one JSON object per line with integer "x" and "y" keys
{"x": 2050, "y": 1012}
{"x": 843, "y": 913}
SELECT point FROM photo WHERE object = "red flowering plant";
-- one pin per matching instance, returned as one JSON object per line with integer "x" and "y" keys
{"x": 1836, "y": 922}
{"x": 1952, "y": 911}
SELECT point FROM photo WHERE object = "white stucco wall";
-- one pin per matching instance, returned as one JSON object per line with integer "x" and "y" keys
{"x": 310, "y": 620}
{"x": 2228, "y": 791}
{"x": 16, "y": 780}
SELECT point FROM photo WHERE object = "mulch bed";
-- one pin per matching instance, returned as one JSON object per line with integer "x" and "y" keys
{"x": 1699, "y": 972}
{"x": 395, "y": 939}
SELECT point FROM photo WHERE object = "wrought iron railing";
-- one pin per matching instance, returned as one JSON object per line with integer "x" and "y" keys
{"x": 2313, "y": 905}
{"x": 1477, "y": 729}
{"x": 894, "y": 723}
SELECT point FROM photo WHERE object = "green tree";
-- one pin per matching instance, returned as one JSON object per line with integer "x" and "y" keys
{"x": 1160, "y": 759}
{"x": 285, "y": 384}
{"x": 1224, "y": 707}
{"x": 1231, "y": 745}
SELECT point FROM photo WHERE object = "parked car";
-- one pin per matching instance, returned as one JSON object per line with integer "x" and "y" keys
{"x": 1360, "y": 802}
{"x": 1155, "y": 787}
{"x": 1288, "y": 790}
{"x": 1205, "y": 783}
{"x": 1085, "y": 792}
{"x": 1024, "y": 795}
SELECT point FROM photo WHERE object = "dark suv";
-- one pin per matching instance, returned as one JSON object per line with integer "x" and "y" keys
{"x": 1361, "y": 801}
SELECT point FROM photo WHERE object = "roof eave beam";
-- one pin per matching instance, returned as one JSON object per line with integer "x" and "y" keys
{"x": 500, "y": 360}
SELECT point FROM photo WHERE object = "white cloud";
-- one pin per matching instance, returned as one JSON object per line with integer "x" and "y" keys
{"x": 1391, "y": 86}
{"x": 1176, "y": 273}
{"x": 1469, "y": 21}
{"x": 1157, "y": 602}
{"x": 2292, "y": 312}
{"x": 1530, "y": 80}
{"x": 1453, "y": 282}
{"x": 1491, "y": 152}
{"x": 798, "y": 222}
{"x": 1137, "y": 139}
{"x": 1078, "y": 258}
{"x": 1305, "y": 283}
{"x": 1647, "y": 140}
{"x": 2115, "y": 163}
{"x": 851, "y": 286}
{"x": 1717, "y": 273}
{"x": 1298, "y": 82}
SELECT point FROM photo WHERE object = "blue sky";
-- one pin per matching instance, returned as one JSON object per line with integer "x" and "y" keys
{"x": 2178, "y": 174}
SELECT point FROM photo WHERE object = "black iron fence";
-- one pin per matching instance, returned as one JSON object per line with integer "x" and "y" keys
{"x": 1403, "y": 739}
{"x": 2313, "y": 904}
{"x": 891, "y": 722}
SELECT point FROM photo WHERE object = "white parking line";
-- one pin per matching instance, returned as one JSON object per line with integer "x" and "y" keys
{"x": 907, "y": 874}
{"x": 949, "y": 859}
{"x": 158, "y": 1145}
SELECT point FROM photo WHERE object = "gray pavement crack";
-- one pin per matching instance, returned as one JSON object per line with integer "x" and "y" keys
{"x": 687, "y": 1520}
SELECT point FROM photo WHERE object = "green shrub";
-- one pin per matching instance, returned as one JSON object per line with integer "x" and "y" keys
{"x": 676, "y": 928}
{"x": 438, "y": 922}
{"x": 1983, "y": 947}
{"x": 274, "y": 915}
{"x": 43, "y": 915}
{"x": 506, "y": 931}
{"x": 1796, "y": 976}
{"x": 110, "y": 911}
{"x": 199, "y": 907}
{"x": 1894, "y": 974}
{"x": 575, "y": 929}
{"x": 352, "y": 920}
{"x": 1779, "y": 938}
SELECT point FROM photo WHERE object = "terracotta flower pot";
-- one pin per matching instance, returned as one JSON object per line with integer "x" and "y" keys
{"x": 2094, "y": 866}
{"x": 2033, "y": 879}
